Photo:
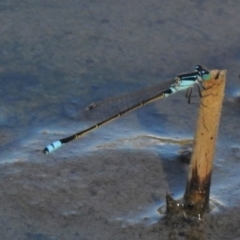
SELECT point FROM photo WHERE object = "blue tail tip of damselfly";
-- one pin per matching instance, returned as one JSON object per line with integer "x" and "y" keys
{"x": 45, "y": 151}
{"x": 52, "y": 147}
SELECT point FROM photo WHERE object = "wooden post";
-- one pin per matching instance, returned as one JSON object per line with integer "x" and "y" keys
{"x": 196, "y": 197}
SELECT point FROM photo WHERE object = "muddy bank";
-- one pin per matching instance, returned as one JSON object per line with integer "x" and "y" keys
{"x": 106, "y": 195}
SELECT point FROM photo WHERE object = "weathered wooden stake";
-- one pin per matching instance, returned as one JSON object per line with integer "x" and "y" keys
{"x": 196, "y": 197}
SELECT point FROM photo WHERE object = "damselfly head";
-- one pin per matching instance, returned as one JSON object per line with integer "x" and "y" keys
{"x": 201, "y": 71}
{"x": 198, "y": 68}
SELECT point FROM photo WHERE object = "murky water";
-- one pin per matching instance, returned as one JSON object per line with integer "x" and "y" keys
{"x": 56, "y": 58}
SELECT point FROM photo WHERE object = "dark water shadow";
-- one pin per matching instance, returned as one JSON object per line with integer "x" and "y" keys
{"x": 175, "y": 172}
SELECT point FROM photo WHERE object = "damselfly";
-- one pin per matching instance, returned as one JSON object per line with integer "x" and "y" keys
{"x": 141, "y": 98}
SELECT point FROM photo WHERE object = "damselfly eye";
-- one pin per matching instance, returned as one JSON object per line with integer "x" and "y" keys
{"x": 204, "y": 72}
{"x": 198, "y": 68}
